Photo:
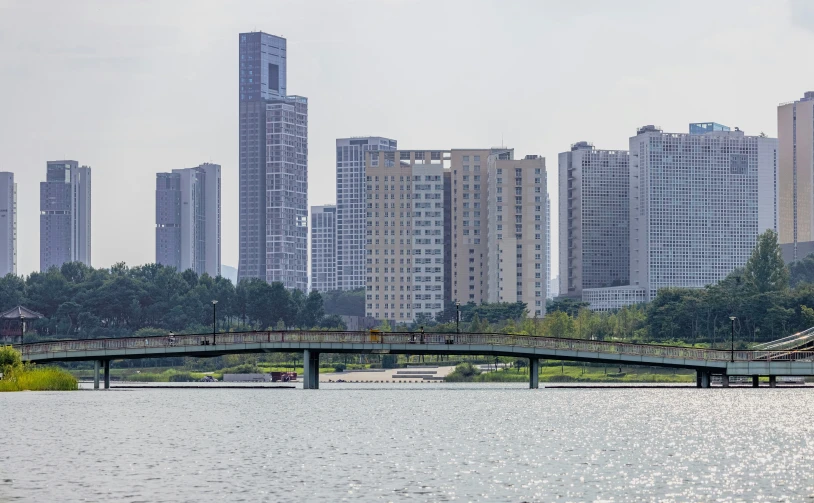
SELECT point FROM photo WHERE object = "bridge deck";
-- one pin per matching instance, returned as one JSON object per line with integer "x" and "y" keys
{"x": 718, "y": 361}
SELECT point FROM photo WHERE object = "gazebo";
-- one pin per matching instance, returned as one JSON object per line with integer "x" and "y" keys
{"x": 13, "y": 323}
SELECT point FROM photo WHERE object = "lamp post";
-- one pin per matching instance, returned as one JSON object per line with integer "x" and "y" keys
{"x": 214, "y": 309}
{"x": 457, "y": 317}
{"x": 22, "y": 330}
{"x": 732, "y": 340}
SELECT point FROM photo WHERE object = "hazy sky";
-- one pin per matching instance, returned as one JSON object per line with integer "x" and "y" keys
{"x": 135, "y": 88}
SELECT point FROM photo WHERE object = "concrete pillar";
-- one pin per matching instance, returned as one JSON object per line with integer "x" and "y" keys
{"x": 107, "y": 374}
{"x": 95, "y": 374}
{"x": 534, "y": 373}
{"x": 310, "y": 370}
{"x": 755, "y": 381}
{"x": 705, "y": 379}
{"x": 697, "y": 378}
{"x": 725, "y": 381}
{"x": 772, "y": 381}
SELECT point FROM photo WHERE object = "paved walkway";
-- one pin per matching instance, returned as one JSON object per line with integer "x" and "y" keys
{"x": 409, "y": 374}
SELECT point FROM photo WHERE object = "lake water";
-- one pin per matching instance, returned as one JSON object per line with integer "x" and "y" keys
{"x": 442, "y": 442}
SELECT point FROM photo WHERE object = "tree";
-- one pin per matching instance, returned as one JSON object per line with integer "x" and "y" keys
{"x": 765, "y": 269}
{"x": 558, "y": 324}
{"x": 566, "y": 305}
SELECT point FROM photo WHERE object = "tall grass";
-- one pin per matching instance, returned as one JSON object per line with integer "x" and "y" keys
{"x": 36, "y": 378}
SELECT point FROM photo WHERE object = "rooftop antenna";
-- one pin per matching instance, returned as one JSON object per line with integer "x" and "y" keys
{"x": 502, "y": 145}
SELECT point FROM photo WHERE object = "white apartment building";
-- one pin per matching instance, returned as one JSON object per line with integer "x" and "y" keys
{"x": 351, "y": 207}
{"x": 696, "y": 208}
{"x": 405, "y": 234}
{"x": 323, "y": 248}
{"x": 517, "y": 248}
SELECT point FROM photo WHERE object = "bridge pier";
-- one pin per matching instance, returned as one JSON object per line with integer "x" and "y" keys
{"x": 706, "y": 377}
{"x": 310, "y": 360}
{"x": 772, "y": 381}
{"x": 697, "y": 378}
{"x": 725, "y": 381}
{"x": 534, "y": 373}
{"x": 107, "y": 373}
{"x": 755, "y": 381}
{"x": 95, "y": 374}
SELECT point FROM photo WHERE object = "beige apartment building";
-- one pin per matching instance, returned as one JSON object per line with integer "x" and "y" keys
{"x": 405, "y": 234}
{"x": 795, "y": 172}
{"x": 465, "y": 225}
{"x": 469, "y": 246}
{"x": 516, "y": 242}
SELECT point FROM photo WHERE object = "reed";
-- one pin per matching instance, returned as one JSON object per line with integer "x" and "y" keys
{"x": 36, "y": 378}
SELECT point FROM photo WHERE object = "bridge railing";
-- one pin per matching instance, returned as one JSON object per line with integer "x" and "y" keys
{"x": 423, "y": 340}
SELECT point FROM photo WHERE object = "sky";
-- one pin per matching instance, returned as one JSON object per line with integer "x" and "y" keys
{"x": 136, "y": 88}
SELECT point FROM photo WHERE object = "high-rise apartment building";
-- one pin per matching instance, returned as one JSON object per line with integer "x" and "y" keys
{"x": 351, "y": 207}
{"x": 188, "y": 219}
{"x": 516, "y": 245}
{"x": 697, "y": 205}
{"x": 323, "y": 248}
{"x": 65, "y": 209}
{"x": 273, "y": 166}
{"x": 795, "y": 177}
{"x": 405, "y": 234}
{"x": 470, "y": 251}
{"x": 594, "y": 202}
{"x": 8, "y": 224}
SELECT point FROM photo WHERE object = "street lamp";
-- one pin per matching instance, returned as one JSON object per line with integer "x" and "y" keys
{"x": 214, "y": 309}
{"x": 732, "y": 340}
{"x": 22, "y": 329}
{"x": 457, "y": 317}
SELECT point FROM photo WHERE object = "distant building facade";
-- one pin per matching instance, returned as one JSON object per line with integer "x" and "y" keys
{"x": 273, "y": 166}
{"x": 795, "y": 176}
{"x": 65, "y": 214}
{"x": 351, "y": 207}
{"x": 594, "y": 199}
{"x": 8, "y": 224}
{"x": 188, "y": 219}
{"x": 323, "y": 248}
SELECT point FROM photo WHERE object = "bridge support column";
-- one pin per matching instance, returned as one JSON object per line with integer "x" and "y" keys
{"x": 534, "y": 373}
{"x": 107, "y": 374}
{"x": 772, "y": 381}
{"x": 95, "y": 374}
{"x": 725, "y": 381}
{"x": 697, "y": 378}
{"x": 755, "y": 381}
{"x": 310, "y": 370}
{"x": 705, "y": 378}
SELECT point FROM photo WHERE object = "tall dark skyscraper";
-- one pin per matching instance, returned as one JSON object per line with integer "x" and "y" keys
{"x": 64, "y": 214}
{"x": 273, "y": 166}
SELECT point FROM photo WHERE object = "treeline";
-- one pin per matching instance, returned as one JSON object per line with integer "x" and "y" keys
{"x": 78, "y": 301}
{"x": 768, "y": 298}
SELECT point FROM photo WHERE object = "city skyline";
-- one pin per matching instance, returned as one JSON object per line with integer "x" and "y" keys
{"x": 192, "y": 131}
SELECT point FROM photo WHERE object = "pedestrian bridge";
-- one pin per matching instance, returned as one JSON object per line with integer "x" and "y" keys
{"x": 706, "y": 362}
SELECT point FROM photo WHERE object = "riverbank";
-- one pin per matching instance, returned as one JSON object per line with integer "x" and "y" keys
{"x": 16, "y": 376}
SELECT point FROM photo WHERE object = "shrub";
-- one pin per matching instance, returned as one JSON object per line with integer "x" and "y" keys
{"x": 339, "y": 367}
{"x": 9, "y": 358}
{"x": 464, "y": 372}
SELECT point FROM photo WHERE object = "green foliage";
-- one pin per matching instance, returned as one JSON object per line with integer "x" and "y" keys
{"x": 83, "y": 302}
{"x": 765, "y": 269}
{"x": 246, "y": 368}
{"x": 9, "y": 359}
{"x": 30, "y": 377}
{"x": 339, "y": 367}
{"x": 346, "y": 303}
{"x": 390, "y": 361}
{"x": 567, "y": 305}
{"x": 463, "y": 372}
